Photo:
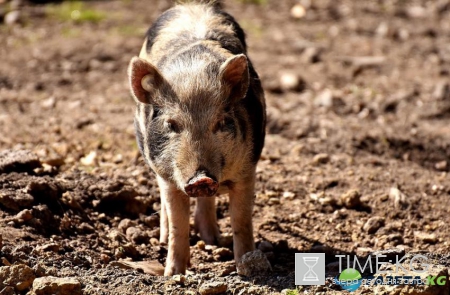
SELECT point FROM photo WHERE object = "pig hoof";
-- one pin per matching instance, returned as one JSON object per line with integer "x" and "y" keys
{"x": 173, "y": 270}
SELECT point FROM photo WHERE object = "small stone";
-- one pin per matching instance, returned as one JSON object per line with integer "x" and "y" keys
{"x": 273, "y": 201}
{"x": 288, "y": 195}
{"x": 321, "y": 159}
{"x": 154, "y": 242}
{"x": 426, "y": 237}
{"x": 399, "y": 198}
{"x": 253, "y": 263}
{"x": 373, "y": 224}
{"x": 49, "y": 103}
{"x": 324, "y": 98}
{"x": 5, "y": 261}
{"x": 213, "y": 288}
{"x": 24, "y": 215}
{"x": 298, "y": 11}
{"x": 86, "y": 228}
{"x": 53, "y": 285}
{"x": 311, "y": 54}
{"x": 201, "y": 245}
{"x": 416, "y": 12}
{"x": 441, "y": 166}
{"x": 222, "y": 254}
{"x": 125, "y": 223}
{"x": 117, "y": 159}
{"x": 136, "y": 235}
{"x": 265, "y": 246}
{"x": 12, "y": 17}
{"x": 350, "y": 199}
{"x": 151, "y": 221}
{"x": 442, "y": 91}
{"x": 179, "y": 279}
{"x": 210, "y": 248}
{"x": 90, "y": 159}
{"x": 291, "y": 82}
{"x": 52, "y": 247}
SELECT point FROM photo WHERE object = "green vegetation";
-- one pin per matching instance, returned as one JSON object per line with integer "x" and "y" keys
{"x": 75, "y": 11}
{"x": 257, "y": 2}
{"x": 292, "y": 292}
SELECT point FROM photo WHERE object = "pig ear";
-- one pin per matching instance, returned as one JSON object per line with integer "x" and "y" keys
{"x": 144, "y": 80}
{"x": 234, "y": 73}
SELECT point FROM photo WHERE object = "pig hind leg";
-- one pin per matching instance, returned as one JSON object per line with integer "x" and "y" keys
{"x": 205, "y": 220}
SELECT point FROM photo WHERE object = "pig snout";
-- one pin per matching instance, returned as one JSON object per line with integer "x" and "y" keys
{"x": 201, "y": 185}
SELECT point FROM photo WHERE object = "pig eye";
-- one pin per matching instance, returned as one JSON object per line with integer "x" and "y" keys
{"x": 172, "y": 126}
{"x": 224, "y": 125}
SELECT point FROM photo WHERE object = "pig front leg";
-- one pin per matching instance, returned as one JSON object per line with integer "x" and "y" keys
{"x": 205, "y": 220}
{"x": 164, "y": 222}
{"x": 241, "y": 209}
{"x": 176, "y": 206}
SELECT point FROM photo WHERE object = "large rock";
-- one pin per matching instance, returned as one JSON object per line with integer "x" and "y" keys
{"x": 253, "y": 263}
{"x": 56, "y": 286}
{"x": 18, "y": 161}
{"x": 20, "y": 277}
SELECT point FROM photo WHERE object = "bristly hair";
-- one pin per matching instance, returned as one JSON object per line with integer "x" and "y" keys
{"x": 215, "y": 3}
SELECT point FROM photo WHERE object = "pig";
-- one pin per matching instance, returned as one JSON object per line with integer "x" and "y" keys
{"x": 200, "y": 124}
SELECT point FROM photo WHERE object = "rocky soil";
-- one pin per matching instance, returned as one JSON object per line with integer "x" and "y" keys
{"x": 356, "y": 161}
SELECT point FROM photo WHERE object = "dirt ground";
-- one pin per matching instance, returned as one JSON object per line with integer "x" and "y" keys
{"x": 358, "y": 96}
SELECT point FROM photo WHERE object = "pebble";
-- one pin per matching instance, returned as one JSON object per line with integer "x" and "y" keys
{"x": 53, "y": 247}
{"x": 291, "y": 82}
{"x": 253, "y": 263}
{"x": 441, "y": 166}
{"x": 399, "y": 198}
{"x": 12, "y": 17}
{"x": 24, "y": 215}
{"x": 351, "y": 199}
{"x": 324, "y": 98}
{"x": 265, "y": 246}
{"x": 321, "y": 159}
{"x": 442, "y": 91}
{"x": 52, "y": 285}
{"x": 426, "y": 237}
{"x": 373, "y": 224}
{"x": 222, "y": 254}
{"x": 298, "y": 11}
{"x": 125, "y": 223}
{"x": 179, "y": 279}
{"x": 288, "y": 195}
{"x": 151, "y": 221}
{"x": 136, "y": 235}
{"x": 201, "y": 245}
{"x": 86, "y": 228}
{"x": 89, "y": 159}
{"x": 212, "y": 288}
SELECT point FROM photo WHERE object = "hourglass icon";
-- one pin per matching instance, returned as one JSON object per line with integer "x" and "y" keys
{"x": 310, "y": 275}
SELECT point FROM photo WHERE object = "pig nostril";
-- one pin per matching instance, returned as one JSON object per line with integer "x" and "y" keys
{"x": 201, "y": 186}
